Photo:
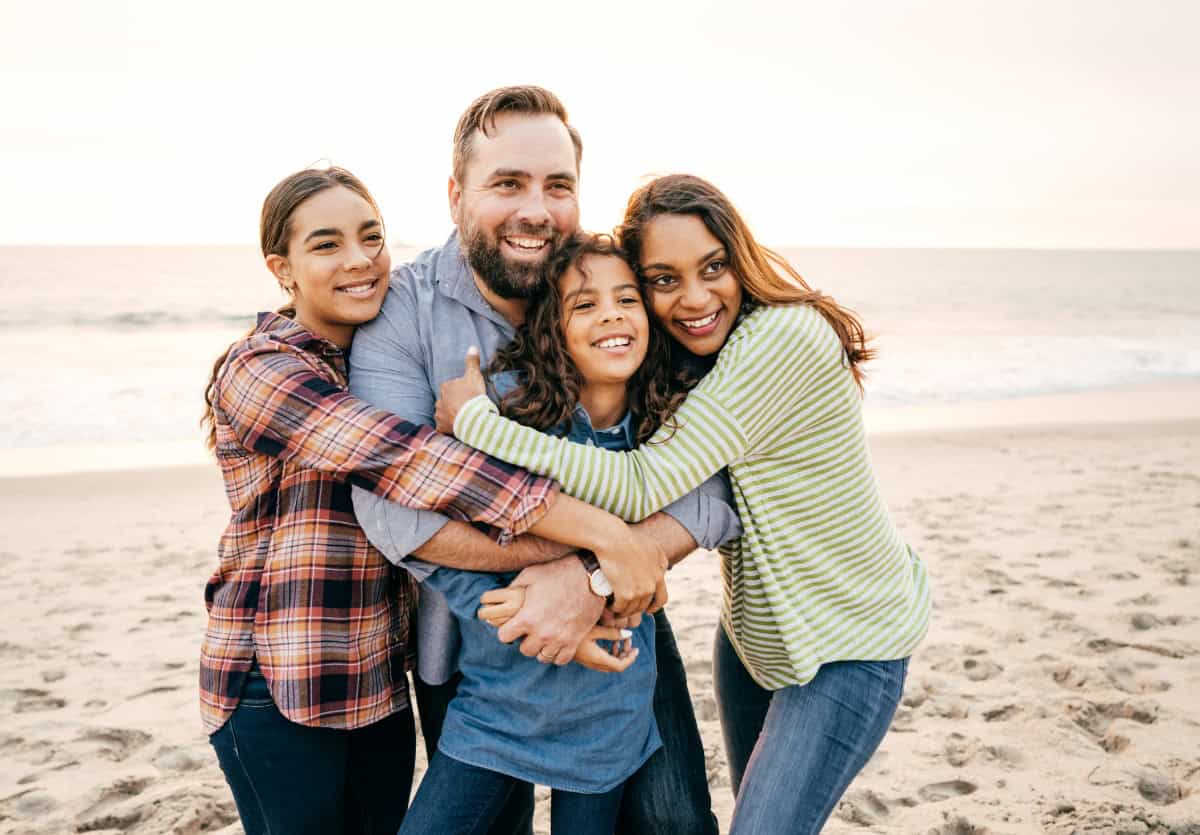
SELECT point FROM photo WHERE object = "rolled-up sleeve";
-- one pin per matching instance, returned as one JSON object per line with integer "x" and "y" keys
{"x": 708, "y": 513}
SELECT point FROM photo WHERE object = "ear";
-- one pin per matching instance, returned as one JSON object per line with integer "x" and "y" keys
{"x": 454, "y": 196}
{"x": 282, "y": 270}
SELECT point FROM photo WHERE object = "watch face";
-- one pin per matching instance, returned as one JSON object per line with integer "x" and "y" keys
{"x": 599, "y": 583}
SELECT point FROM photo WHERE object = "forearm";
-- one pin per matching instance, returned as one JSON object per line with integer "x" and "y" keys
{"x": 674, "y": 538}
{"x": 459, "y": 545}
{"x": 580, "y": 525}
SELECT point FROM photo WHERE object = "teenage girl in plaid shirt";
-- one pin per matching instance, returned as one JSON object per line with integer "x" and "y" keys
{"x": 302, "y": 672}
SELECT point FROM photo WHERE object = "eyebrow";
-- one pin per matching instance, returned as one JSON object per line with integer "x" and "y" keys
{"x": 517, "y": 173}
{"x": 330, "y": 232}
{"x": 703, "y": 259}
{"x": 574, "y": 293}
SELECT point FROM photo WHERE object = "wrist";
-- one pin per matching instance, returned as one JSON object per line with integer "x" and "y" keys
{"x": 598, "y": 582}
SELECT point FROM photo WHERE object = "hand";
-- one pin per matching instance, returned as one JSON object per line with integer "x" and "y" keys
{"x": 457, "y": 392}
{"x": 558, "y": 611}
{"x": 610, "y": 618}
{"x": 499, "y": 605}
{"x": 636, "y": 566}
{"x": 595, "y": 657}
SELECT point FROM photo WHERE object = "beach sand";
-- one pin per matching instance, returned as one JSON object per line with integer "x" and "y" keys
{"x": 1056, "y": 691}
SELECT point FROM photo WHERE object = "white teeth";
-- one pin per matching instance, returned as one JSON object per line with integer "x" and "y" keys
{"x": 614, "y": 342}
{"x": 358, "y": 289}
{"x": 526, "y": 243}
{"x": 699, "y": 323}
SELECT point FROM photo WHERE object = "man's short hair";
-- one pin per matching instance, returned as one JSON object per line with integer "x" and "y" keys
{"x": 482, "y": 113}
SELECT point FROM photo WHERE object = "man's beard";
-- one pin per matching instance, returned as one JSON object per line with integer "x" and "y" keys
{"x": 510, "y": 279}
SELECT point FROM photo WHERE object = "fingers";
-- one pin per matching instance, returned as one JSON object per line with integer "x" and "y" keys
{"x": 608, "y": 633}
{"x": 610, "y": 618}
{"x": 513, "y": 593}
{"x": 472, "y": 362}
{"x": 592, "y": 656}
{"x": 660, "y": 597}
{"x": 497, "y": 615}
{"x": 517, "y": 627}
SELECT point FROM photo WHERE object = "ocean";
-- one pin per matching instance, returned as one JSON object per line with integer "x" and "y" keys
{"x": 113, "y": 345}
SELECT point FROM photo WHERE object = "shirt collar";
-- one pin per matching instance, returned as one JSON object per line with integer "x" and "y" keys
{"x": 455, "y": 280}
{"x": 583, "y": 420}
{"x": 291, "y": 332}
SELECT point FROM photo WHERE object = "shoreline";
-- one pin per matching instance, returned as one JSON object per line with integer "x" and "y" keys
{"x": 1165, "y": 401}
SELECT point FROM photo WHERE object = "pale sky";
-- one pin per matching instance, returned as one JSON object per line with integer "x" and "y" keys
{"x": 939, "y": 123}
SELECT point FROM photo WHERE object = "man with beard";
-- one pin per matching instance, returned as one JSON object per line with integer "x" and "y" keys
{"x": 513, "y": 198}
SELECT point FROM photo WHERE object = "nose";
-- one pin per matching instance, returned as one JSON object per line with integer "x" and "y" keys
{"x": 533, "y": 208}
{"x": 695, "y": 295}
{"x": 611, "y": 313}
{"x": 357, "y": 258}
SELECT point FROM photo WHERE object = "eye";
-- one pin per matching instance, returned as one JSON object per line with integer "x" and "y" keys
{"x": 630, "y": 300}
{"x": 373, "y": 238}
{"x": 714, "y": 268}
{"x": 583, "y": 305}
{"x": 507, "y": 185}
{"x": 326, "y": 245}
{"x": 662, "y": 282}
{"x": 562, "y": 187}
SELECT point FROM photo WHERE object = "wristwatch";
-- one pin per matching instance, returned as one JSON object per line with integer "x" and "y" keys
{"x": 597, "y": 582}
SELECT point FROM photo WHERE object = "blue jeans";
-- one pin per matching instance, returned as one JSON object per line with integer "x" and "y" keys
{"x": 460, "y": 799}
{"x": 290, "y": 778}
{"x": 793, "y": 752}
{"x": 667, "y": 795}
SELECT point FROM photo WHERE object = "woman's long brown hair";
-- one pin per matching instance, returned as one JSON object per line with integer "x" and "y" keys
{"x": 548, "y": 385}
{"x": 765, "y": 275}
{"x": 274, "y": 232}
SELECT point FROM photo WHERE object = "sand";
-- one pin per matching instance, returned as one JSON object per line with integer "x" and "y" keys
{"x": 1056, "y": 691}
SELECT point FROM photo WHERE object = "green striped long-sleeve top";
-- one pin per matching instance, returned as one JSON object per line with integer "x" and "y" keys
{"x": 821, "y": 573}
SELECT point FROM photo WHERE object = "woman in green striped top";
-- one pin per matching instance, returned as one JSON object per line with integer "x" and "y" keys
{"x": 823, "y": 601}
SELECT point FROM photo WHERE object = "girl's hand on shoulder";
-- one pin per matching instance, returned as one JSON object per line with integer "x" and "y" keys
{"x": 596, "y": 657}
{"x": 455, "y": 393}
{"x": 500, "y": 605}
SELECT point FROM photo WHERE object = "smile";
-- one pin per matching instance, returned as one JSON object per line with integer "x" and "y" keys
{"x": 702, "y": 326}
{"x": 617, "y": 344}
{"x": 360, "y": 290}
{"x": 527, "y": 244}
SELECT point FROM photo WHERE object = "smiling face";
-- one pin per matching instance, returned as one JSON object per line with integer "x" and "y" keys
{"x": 336, "y": 267}
{"x": 516, "y": 201}
{"x": 694, "y": 292}
{"x": 603, "y": 321}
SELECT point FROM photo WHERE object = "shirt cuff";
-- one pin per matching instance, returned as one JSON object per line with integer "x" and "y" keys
{"x": 468, "y": 416}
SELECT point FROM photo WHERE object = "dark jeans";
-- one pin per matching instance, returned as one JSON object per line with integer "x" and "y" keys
{"x": 667, "y": 795}
{"x": 459, "y": 799}
{"x": 793, "y": 752}
{"x": 294, "y": 779}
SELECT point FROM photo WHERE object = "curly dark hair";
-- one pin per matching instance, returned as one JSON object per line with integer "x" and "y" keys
{"x": 548, "y": 385}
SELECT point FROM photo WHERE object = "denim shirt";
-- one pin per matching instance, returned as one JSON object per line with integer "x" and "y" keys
{"x": 567, "y": 727}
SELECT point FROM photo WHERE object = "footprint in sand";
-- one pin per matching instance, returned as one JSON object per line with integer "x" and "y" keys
{"x": 863, "y": 807}
{"x": 937, "y": 792}
{"x": 112, "y": 807}
{"x": 1158, "y": 788}
{"x": 155, "y": 690}
{"x": 960, "y": 750}
{"x": 31, "y": 700}
{"x": 173, "y": 758}
{"x": 114, "y": 744}
{"x": 958, "y": 825}
{"x": 1097, "y": 718}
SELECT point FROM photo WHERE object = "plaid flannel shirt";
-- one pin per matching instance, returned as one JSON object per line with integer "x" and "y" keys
{"x": 297, "y": 583}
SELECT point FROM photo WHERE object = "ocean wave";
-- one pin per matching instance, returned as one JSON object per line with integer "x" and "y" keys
{"x": 129, "y": 320}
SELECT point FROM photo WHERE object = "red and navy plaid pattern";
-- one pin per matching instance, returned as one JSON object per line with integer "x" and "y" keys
{"x": 298, "y": 585}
